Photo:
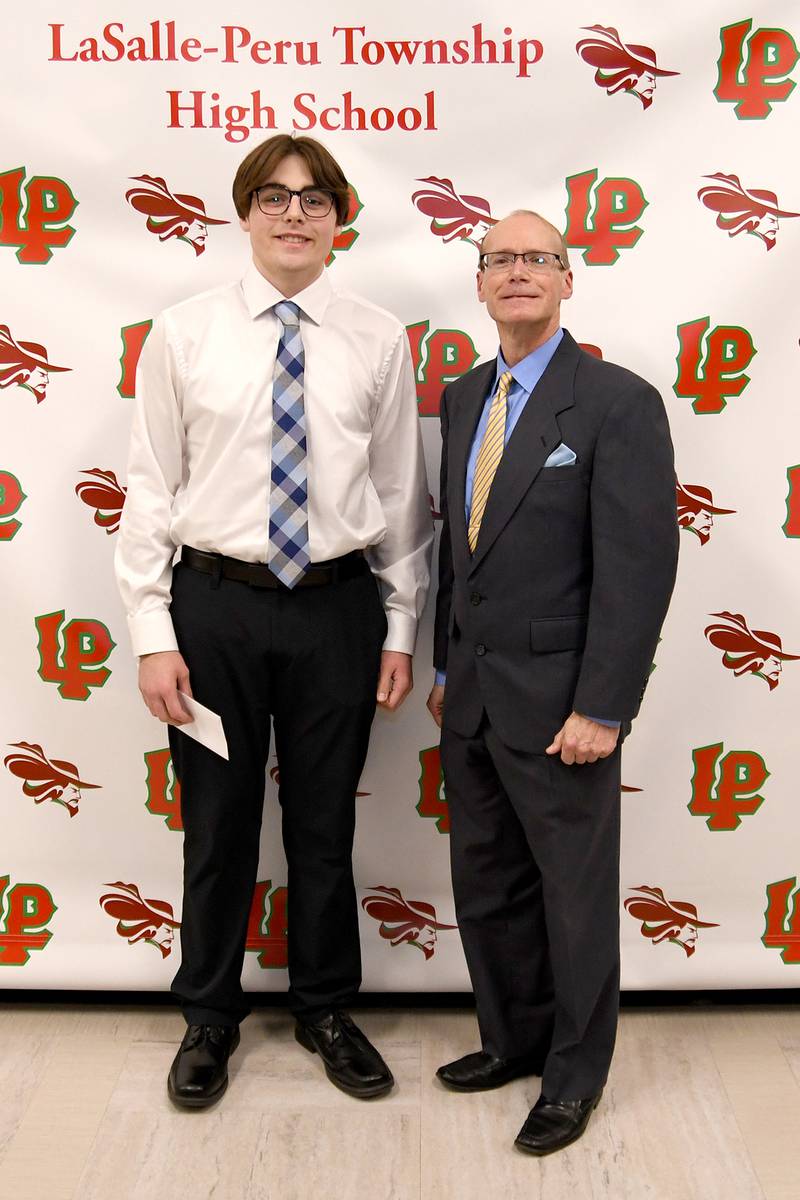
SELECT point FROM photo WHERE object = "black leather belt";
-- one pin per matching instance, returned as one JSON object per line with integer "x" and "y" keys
{"x": 259, "y": 574}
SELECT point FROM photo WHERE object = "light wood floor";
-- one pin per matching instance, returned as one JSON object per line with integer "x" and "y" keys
{"x": 702, "y": 1104}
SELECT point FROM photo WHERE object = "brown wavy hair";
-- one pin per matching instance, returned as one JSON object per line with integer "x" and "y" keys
{"x": 256, "y": 170}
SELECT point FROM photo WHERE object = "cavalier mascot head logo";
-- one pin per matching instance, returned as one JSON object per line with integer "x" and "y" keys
{"x": 25, "y": 364}
{"x": 748, "y": 651}
{"x": 696, "y": 510}
{"x": 171, "y": 215}
{"x": 139, "y": 919}
{"x": 621, "y": 66}
{"x": 743, "y": 210}
{"x": 45, "y": 778}
{"x": 666, "y": 920}
{"x": 410, "y": 921}
{"x": 103, "y": 492}
{"x": 453, "y": 216}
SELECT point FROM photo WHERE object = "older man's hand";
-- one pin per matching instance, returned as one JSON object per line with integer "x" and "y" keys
{"x": 580, "y": 740}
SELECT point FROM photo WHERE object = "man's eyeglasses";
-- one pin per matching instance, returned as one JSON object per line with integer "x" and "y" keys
{"x": 539, "y": 261}
{"x": 273, "y": 199}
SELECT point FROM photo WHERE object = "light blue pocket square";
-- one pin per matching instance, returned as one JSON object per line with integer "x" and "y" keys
{"x": 562, "y": 456}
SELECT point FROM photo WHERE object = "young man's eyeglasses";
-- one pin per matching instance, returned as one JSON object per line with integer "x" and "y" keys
{"x": 274, "y": 199}
{"x": 540, "y": 261}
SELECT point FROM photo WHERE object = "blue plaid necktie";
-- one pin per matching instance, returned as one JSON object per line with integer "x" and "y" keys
{"x": 287, "y": 555}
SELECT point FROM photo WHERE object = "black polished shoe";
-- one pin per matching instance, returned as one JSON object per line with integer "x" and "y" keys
{"x": 553, "y": 1124}
{"x": 199, "y": 1073}
{"x": 480, "y": 1071}
{"x": 351, "y": 1061}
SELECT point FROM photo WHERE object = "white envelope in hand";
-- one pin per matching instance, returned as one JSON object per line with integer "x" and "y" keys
{"x": 205, "y": 726}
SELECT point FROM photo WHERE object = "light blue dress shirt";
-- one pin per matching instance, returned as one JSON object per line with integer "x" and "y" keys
{"x": 525, "y": 376}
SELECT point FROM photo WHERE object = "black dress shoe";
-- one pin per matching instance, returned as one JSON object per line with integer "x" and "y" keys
{"x": 199, "y": 1073}
{"x": 553, "y": 1124}
{"x": 351, "y": 1061}
{"x": 480, "y": 1071}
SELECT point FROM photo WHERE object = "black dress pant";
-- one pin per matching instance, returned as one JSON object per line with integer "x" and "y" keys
{"x": 535, "y": 857}
{"x": 309, "y": 659}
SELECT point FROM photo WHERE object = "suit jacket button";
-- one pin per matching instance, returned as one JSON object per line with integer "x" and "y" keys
{"x": 480, "y": 649}
{"x": 475, "y": 598}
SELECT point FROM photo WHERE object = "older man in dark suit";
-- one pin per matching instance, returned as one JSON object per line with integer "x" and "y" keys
{"x": 557, "y": 561}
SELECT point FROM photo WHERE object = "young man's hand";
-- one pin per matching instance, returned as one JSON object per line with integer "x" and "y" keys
{"x": 160, "y": 676}
{"x": 395, "y": 680}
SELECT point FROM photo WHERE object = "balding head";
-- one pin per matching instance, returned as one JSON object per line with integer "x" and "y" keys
{"x": 496, "y": 237}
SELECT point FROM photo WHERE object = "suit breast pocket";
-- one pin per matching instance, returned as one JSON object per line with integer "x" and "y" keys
{"x": 569, "y": 474}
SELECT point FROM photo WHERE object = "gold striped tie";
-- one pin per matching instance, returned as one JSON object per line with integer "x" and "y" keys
{"x": 489, "y": 456}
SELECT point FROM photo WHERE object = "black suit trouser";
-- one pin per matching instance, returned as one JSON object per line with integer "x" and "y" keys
{"x": 535, "y": 860}
{"x": 308, "y": 659}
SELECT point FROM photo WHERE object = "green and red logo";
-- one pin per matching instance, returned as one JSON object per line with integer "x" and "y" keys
{"x": 267, "y": 926}
{"x": 711, "y": 365}
{"x": 743, "y": 210}
{"x": 171, "y": 215}
{"x": 11, "y": 498}
{"x": 26, "y": 909}
{"x": 454, "y": 216}
{"x": 753, "y": 69}
{"x": 664, "y": 920}
{"x": 46, "y": 778}
{"x": 71, "y": 655}
{"x": 139, "y": 919}
{"x": 782, "y": 926}
{"x": 133, "y": 339}
{"x": 347, "y": 235}
{"x": 103, "y": 492}
{"x": 42, "y": 226}
{"x": 439, "y": 357}
{"x": 748, "y": 651}
{"x": 791, "y": 526}
{"x": 25, "y": 365}
{"x": 163, "y": 789}
{"x": 432, "y": 800}
{"x": 601, "y": 217}
{"x": 725, "y": 789}
{"x": 404, "y": 922}
{"x": 621, "y": 66}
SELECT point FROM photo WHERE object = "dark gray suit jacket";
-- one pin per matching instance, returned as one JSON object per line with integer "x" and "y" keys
{"x": 561, "y": 605}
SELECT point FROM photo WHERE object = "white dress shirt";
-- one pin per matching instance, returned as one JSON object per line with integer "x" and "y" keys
{"x": 199, "y": 465}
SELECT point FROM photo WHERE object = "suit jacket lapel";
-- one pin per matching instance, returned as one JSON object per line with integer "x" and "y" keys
{"x": 462, "y": 430}
{"x": 536, "y": 434}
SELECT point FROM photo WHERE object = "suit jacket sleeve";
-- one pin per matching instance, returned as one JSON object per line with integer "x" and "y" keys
{"x": 444, "y": 596}
{"x": 635, "y": 553}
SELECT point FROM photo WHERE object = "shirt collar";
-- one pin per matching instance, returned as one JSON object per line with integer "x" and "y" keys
{"x": 529, "y": 370}
{"x": 260, "y": 294}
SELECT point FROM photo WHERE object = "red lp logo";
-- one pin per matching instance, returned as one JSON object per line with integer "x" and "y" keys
{"x": 726, "y": 789}
{"x": 791, "y": 526}
{"x": 782, "y": 930}
{"x": 267, "y": 926}
{"x": 72, "y": 655}
{"x": 432, "y": 800}
{"x": 601, "y": 216}
{"x": 711, "y": 365}
{"x": 133, "y": 339}
{"x": 11, "y": 498}
{"x": 49, "y": 204}
{"x": 438, "y": 358}
{"x": 25, "y": 911}
{"x": 752, "y": 69}
{"x": 163, "y": 788}
{"x": 347, "y": 235}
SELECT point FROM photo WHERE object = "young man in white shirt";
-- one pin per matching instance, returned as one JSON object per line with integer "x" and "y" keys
{"x": 278, "y": 445}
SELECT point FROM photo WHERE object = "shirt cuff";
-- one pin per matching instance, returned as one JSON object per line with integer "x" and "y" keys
{"x": 441, "y": 678}
{"x": 152, "y": 632}
{"x": 601, "y": 721}
{"x": 401, "y": 634}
